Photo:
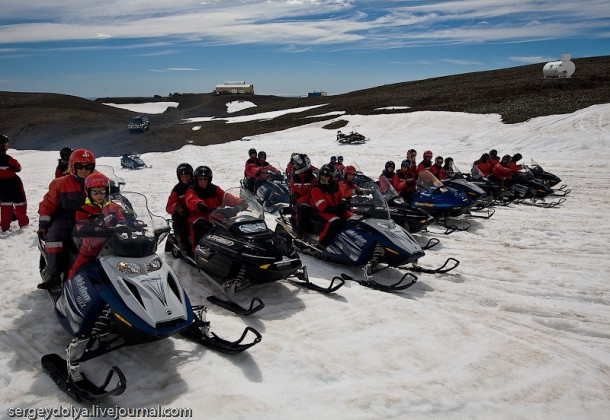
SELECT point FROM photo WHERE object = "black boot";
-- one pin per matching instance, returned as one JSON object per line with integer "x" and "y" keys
{"x": 52, "y": 282}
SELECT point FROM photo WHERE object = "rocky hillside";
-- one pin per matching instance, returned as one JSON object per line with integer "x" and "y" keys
{"x": 46, "y": 121}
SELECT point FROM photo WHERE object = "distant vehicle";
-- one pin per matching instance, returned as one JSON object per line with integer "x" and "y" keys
{"x": 139, "y": 123}
{"x": 351, "y": 138}
{"x": 132, "y": 161}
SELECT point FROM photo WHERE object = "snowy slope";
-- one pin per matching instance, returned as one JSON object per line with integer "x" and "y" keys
{"x": 521, "y": 329}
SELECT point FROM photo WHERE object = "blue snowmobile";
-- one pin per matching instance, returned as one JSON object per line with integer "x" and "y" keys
{"x": 435, "y": 198}
{"x": 371, "y": 240}
{"x": 125, "y": 295}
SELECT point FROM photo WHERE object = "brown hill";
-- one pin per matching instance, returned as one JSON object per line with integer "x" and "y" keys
{"x": 45, "y": 121}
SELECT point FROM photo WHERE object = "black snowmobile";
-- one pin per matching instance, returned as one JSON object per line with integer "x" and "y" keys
{"x": 274, "y": 193}
{"x": 411, "y": 218}
{"x": 462, "y": 184}
{"x": 351, "y": 138}
{"x": 548, "y": 178}
{"x": 531, "y": 190}
{"x": 371, "y": 240}
{"x": 132, "y": 161}
{"x": 125, "y": 296}
{"x": 239, "y": 251}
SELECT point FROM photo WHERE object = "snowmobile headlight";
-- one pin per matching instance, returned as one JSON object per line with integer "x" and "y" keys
{"x": 129, "y": 268}
{"x": 253, "y": 227}
{"x": 153, "y": 265}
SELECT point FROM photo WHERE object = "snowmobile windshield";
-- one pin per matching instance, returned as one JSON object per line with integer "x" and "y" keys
{"x": 371, "y": 203}
{"x": 476, "y": 172}
{"x": 387, "y": 189}
{"x": 426, "y": 181}
{"x": 360, "y": 178}
{"x": 116, "y": 182}
{"x": 240, "y": 212}
{"x": 124, "y": 228}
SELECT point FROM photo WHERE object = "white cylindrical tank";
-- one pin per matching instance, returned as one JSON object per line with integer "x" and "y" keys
{"x": 559, "y": 69}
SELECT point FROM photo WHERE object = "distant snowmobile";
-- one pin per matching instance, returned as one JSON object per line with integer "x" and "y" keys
{"x": 125, "y": 296}
{"x": 132, "y": 161}
{"x": 351, "y": 138}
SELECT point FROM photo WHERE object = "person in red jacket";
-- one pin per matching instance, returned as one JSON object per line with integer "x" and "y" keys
{"x": 514, "y": 166}
{"x": 12, "y": 194}
{"x": 502, "y": 172}
{"x": 57, "y": 213}
{"x": 412, "y": 156}
{"x": 329, "y": 205}
{"x": 97, "y": 214}
{"x": 405, "y": 180}
{"x": 62, "y": 163}
{"x": 347, "y": 186}
{"x": 426, "y": 163}
{"x": 493, "y": 158}
{"x": 484, "y": 165}
{"x": 263, "y": 170}
{"x": 437, "y": 169}
{"x": 301, "y": 183}
{"x": 251, "y": 170}
{"x": 388, "y": 172}
{"x": 176, "y": 204}
{"x": 339, "y": 165}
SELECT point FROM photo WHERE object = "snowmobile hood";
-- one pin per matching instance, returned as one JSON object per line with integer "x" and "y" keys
{"x": 395, "y": 235}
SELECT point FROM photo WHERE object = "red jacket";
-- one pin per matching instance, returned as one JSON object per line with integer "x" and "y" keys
{"x": 423, "y": 165}
{"x": 69, "y": 187}
{"x": 177, "y": 196}
{"x": 251, "y": 168}
{"x": 263, "y": 170}
{"x": 485, "y": 167}
{"x": 62, "y": 169}
{"x": 301, "y": 185}
{"x": 347, "y": 188}
{"x": 493, "y": 161}
{"x": 9, "y": 166}
{"x": 326, "y": 196}
{"x": 405, "y": 180}
{"x": 210, "y": 196}
{"x": 438, "y": 171}
{"x": 514, "y": 168}
{"x": 501, "y": 171}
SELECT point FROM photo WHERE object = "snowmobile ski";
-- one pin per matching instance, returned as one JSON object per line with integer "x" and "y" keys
{"x": 448, "y": 265}
{"x": 77, "y": 386}
{"x": 255, "y": 305}
{"x": 199, "y": 332}
{"x": 406, "y": 281}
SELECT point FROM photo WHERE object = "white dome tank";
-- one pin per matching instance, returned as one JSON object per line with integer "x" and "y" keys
{"x": 559, "y": 69}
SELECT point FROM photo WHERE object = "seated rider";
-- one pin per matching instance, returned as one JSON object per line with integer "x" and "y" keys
{"x": 347, "y": 186}
{"x": 405, "y": 180}
{"x": 176, "y": 204}
{"x": 88, "y": 219}
{"x": 426, "y": 163}
{"x": 301, "y": 183}
{"x": 329, "y": 205}
{"x": 263, "y": 170}
{"x": 339, "y": 165}
{"x": 249, "y": 170}
{"x": 437, "y": 169}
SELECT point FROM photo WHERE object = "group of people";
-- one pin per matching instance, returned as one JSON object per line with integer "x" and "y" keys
{"x": 257, "y": 169}
{"x": 502, "y": 170}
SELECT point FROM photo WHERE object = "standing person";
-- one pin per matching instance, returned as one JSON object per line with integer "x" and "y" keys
{"x": 412, "y": 155}
{"x": 97, "y": 203}
{"x": 57, "y": 212}
{"x": 251, "y": 170}
{"x": 426, "y": 163}
{"x": 12, "y": 194}
{"x": 62, "y": 163}
{"x": 329, "y": 206}
{"x": 405, "y": 180}
{"x": 176, "y": 204}
{"x": 301, "y": 183}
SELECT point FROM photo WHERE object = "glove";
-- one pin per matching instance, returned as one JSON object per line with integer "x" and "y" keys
{"x": 201, "y": 207}
{"x": 110, "y": 219}
{"x": 180, "y": 210}
{"x": 42, "y": 234}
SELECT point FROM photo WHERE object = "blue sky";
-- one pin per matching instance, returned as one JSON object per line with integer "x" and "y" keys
{"x": 97, "y": 48}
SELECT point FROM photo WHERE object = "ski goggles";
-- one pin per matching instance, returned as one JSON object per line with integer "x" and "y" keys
{"x": 87, "y": 166}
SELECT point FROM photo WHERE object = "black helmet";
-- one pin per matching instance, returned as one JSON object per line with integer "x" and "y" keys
{"x": 65, "y": 153}
{"x": 328, "y": 170}
{"x": 439, "y": 158}
{"x": 333, "y": 159}
{"x": 484, "y": 157}
{"x": 507, "y": 157}
{"x": 339, "y": 159}
{"x": 184, "y": 169}
{"x": 262, "y": 155}
{"x": 389, "y": 163}
{"x": 252, "y": 152}
{"x": 516, "y": 157}
{"x": 203, "y": 171}
{"x": 493, "y": 153}
{"x": 406, "y": 163}
{"x": 3, "y": 139}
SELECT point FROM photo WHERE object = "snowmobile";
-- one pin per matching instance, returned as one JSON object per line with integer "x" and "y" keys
{"x": 351, "y": 138}
{"x": 240, "y": 251}
{"x": 132, "y": 161}
{"x": 411, "y": 218}
{"x": 435, "y": 198}
{"x": 548, "y": 178}
{"x": 274, "y": 193}
{"x": 371, "y": 240}
{"x": 124, "y": 296}
{"x": 460, "y": 183}
{"x": 497, "y": 194}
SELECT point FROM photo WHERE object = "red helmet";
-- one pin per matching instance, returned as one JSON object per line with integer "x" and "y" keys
{"x": 427, "y": 153}
{"x": 82, "y": 156}
{"x": 350, "y": 169}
